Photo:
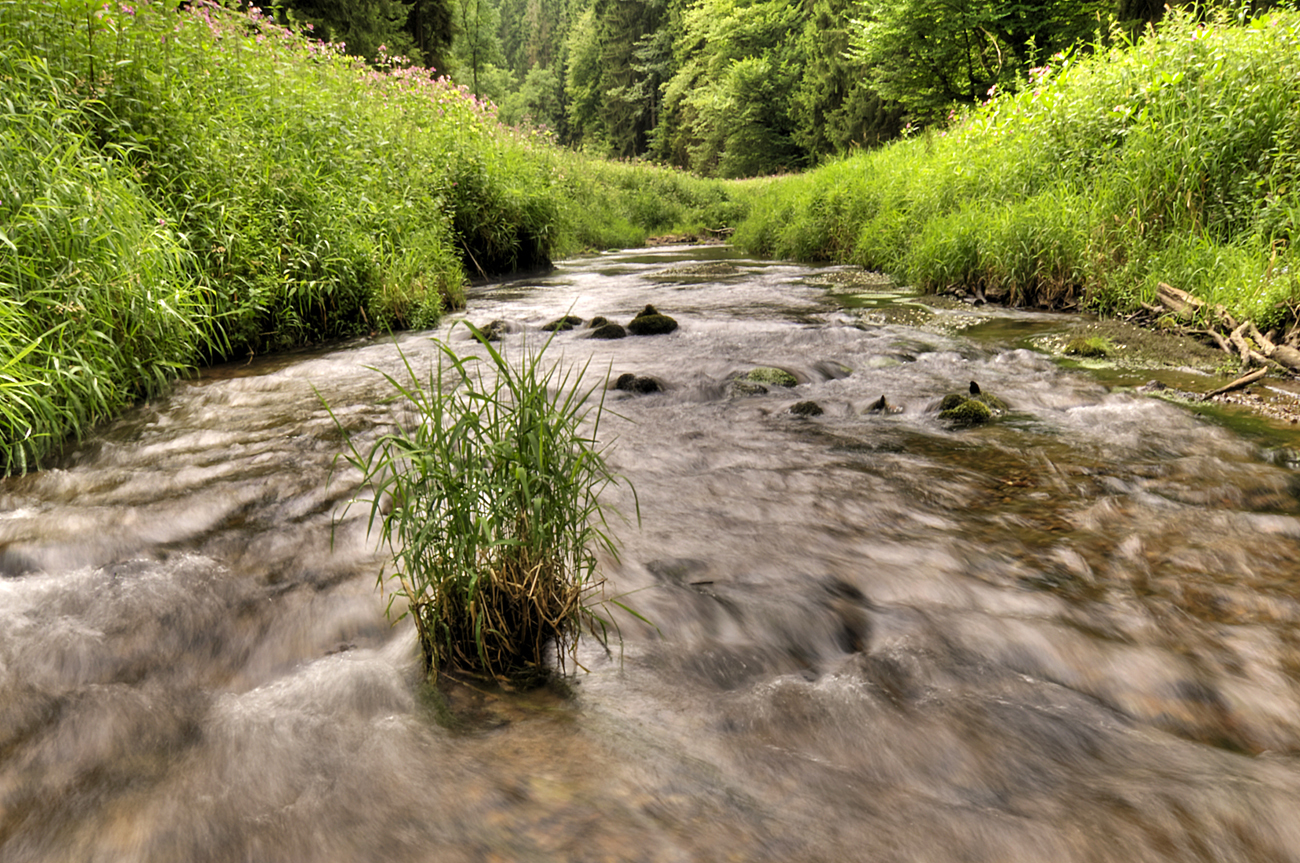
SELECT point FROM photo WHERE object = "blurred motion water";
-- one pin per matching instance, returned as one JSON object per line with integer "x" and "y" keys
{"x": 1066, "y": 635}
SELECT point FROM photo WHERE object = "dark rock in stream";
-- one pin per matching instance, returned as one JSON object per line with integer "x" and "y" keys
{"x": 806, "y": 409}
{"x": 608, "y": 330}
{"x": 567, "y": 322}
{"x": 740, "y": 388}
{"x": 494, "y": 330}
{"x": 882, "y": 406}
{"x": 649, "y": 322}
{"x": 640, "y": 385}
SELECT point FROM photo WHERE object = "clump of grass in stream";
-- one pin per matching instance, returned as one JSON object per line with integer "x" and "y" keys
{"x": 495, "y": 515}
{"x": 1173, "y": 159}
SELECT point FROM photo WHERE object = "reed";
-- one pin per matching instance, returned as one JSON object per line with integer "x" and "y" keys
{"x": 488, "y": 497}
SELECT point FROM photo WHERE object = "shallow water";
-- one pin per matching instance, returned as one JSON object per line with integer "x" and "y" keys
{"x": 1067, "y": 635}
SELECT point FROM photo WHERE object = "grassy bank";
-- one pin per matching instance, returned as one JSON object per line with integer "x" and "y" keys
{"x": 184, "y": 185}
{"x": 1175, "y": 160}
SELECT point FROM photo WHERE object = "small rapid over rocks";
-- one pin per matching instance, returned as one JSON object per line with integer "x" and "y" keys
{"x": 1067, "y": 633}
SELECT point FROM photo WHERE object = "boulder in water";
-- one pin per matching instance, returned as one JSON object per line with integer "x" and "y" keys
{"x": 882, "y": 406}
{"x": 806, "y": 409}
{"x": 493, "y": 331}
{"x": 608, "y": 330}
{"x": 649, "y": 322}
{"x": 567, "y": 322}
{"x": 638, "y": 384}
{"x": 770, "y": 375}
{"x": 963, "y": 410}
{"x": 739, "y": 388}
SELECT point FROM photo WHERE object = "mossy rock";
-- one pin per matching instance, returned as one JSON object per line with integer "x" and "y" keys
{"x": 494, "y": 331}
{"x": 773, "y": 376}
{"x": 649, "y": 322}
{"x": 970, "y": 411}
{"x": 741, "y": 388}
{"x": 993, "y": 403}
{"x": 806, "y": 409}
{"x": 567, "y": 322}
{"x": 608, "y": 331}
{"x": 952, "y": 401}
{"x": 597, "y": 322}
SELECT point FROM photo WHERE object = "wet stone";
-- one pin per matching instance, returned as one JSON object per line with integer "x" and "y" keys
{"x": 741, "y": 388}
{"x": 965, "y": 411}
{"x": 806, "y": 409}
{"x": 638, "y": 384}
{"x": 608, "y": 331}
{"x": 567, "y": 322}
{"x": 649, "y": 322}
{"x": 494, "y": 330}
{"x": 770, "y": 375}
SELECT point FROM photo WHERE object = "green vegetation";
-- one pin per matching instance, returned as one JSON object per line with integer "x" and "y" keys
{"x": 1090, "y": 347}
{"x": 770, "y": 375}
{"x": 185, "y": 184}
{"x": 961, "y": 410}
{"x": 1170, "y": 160}
{"x": 490, "y": 503}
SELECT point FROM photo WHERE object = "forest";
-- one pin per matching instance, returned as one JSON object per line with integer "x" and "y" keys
{"x": 727, "y": 88}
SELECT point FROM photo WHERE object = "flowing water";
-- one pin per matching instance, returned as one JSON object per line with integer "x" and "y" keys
{"x": 1070, "y": 634}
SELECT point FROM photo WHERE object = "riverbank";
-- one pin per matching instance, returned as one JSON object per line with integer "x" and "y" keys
{"x": 1169, "y": 161}
{"x": 180, "y": 185}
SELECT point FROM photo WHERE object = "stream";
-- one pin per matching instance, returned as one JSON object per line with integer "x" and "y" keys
{"x": 1069, "y": 634}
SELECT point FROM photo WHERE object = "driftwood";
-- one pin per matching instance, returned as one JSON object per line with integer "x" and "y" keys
{"x": 1229, "y": 334}
{"x": 1284, "y": 355}
{"x": 1243, "y": 381}
{"x": 1184, "y": 305}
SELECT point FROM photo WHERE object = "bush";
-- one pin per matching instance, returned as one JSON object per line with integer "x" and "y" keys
{"x": 495, "y": 511}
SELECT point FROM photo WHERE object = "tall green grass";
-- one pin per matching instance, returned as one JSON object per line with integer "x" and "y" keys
{"x": 96, "y": 307}
{"x": 182, "y": 184}
{"x": 1173, "y": 159}
{"x": 489, "y": 498}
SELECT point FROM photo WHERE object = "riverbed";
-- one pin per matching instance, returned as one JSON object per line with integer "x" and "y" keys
{"x": 1068, "y": 634}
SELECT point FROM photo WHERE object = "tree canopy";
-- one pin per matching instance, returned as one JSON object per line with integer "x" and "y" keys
{"x": 729, "y": 87}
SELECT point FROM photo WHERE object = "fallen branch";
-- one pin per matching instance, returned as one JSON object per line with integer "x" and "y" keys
{"x": 1284, "y": 355}
{"x": 1238, "y": 339}
{"x": 1218, "y": 339}
{"x": 1185, "y": 305}
{"x": 1243, "y": 381}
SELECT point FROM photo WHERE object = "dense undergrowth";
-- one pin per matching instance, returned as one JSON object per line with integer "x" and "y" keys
{"x": 1175, "y": 160}
{"x": 182, "y": 184}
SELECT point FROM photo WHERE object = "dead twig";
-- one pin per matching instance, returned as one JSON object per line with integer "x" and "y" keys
{"x": 1243, "y": 381}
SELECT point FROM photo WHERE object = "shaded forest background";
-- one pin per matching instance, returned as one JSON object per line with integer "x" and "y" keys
{"x": 729, "y": 88}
